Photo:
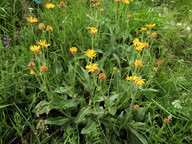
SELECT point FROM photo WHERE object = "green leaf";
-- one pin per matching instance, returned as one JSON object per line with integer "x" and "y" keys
{"x": 149, "y": 90}
{"x": 62, "y": 90}
{"x": 83, "y": 112}
{"x": 71, "y": 103}
{"x": 112, "y": 110}
{"x": 89, "y": 128}
{"x": 43, "y": 109}
{"x": 58, "y": 121}
{"x": 4, "y": 106}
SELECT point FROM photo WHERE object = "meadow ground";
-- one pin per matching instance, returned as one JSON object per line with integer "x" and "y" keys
{"x": 96, "y": 72}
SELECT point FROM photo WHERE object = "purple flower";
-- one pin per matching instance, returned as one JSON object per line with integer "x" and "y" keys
{"x": 9, "y": 39}
{"x": 21, "y": 35}
{"x": 4, "y": 42}
{"x": 7, "y": 46}
{"x": 4, "y": 38}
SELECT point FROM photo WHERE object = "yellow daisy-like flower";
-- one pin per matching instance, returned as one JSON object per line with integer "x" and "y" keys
{"x": 150, "y": 25}
{"x": 143, "y": 29}
{"x": 139, "y": 82}
{"x": 90, "y": 53}
{"x": 136, "y": 42}
{"x": 32, "y": 20}
{"x": 130, "y": 78}
{"x": 92, "y": 68}
{"x": 49, "y": 28}
{"x": 73, "y": 49}
{"x": 49, "y": 5}
{"x": 140, "y": 47}
{"x": 138, "y": 63}
{"x": 43, "y": 43}
{"x": 34, "y": 48}
{"x": 32, "y": 72}
{"x": 101, "y": 9}
{"x": 126, "y": 1}
{"x": 93, "y": 30}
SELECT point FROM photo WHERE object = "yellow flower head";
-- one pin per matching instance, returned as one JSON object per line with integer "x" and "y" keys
{"x": 136, "y": 106}
{"x": 150, "y": 25}
{"x": 130, "y": 78}
{"x": 101, "y": 9}
{"x": 49, "y": 28}
{"x": 43, "y": 68}
{"x": 114, "y": 68}
{"x": 139, "y": 82}
{"x": 43, "y": 43}
{"x": 136, "y": 42}
{"x": 126, "y": 1}
{"x": 92, "y": 68}
{"x": 73, "y": 49}
{"x": 32, "y": 20}
{"x": 138, "y": 63}
{"x": 49, "y": 5}
{"x": 143, "y": 29}
{"x": 93, "y": 30}
{"x": 90, "y": 53}
{"x": 32, "y": 72}
{"x": 34, "y": 48}
{"x": 139, "y": 47}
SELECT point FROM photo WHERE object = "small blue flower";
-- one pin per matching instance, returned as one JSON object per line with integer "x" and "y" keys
{"x": 37, "y": 1}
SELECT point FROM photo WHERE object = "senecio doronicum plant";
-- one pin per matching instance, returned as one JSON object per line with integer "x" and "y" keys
{"x": 91, "y": 80}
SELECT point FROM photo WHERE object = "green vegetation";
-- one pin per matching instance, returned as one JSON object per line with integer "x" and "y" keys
{"x": 61, "y": 93}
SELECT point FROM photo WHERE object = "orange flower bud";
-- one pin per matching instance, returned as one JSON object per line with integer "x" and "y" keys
{"x": 114, "y": 68}
{"x": 101, "y": 9}
{"x": 96, "y": 70}
{"x": 102, "y": 76}
{"x": 136, "y": 106}
{"x": 166, "y": 120}
{"x": 98, "y": 4}
{"x": 49, "y": 28}
{"x": 43, "y": 68}
{"x": 117, "y": 1}
{"x": 155, "y": 69}
{"x": 154, "y": 35}
{"x": 62, "y": 4}
{"x": 159, "y": 63}
{"x": 42, "y": 26}
{"x": 129, "y": 16}
{"x": 148, "y": 32}
{"x": 31, "y": 65}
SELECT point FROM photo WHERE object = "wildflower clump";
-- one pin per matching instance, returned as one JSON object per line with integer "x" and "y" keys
{"x": 90, "y": 53}
{"x": 130, "y": 78}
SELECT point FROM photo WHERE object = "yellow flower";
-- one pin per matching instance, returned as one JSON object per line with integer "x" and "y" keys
{"x": 32, "y": 72}
{"x": 143, "y": 29}
{"x": 150, "y": 25}
{"x": 130, "y": 78}
{"x": 138, "y": 63}
{"x": 92, "y": 68}
{"x": 114, "y": 68}
{"x": 49, "y": 28}
{"x": 139, "y": 82}
{"x": 32, "y": 20}
{"x": 90, "y": 53}
{"x": 41, "y": 26}
{"x": 49, "y": 5}
{"x": 93, "y": 30}
{"x": 34, "y": 48}
{"x": 98, "y": 4}
{"x": 101, "y": 9}
{"x": 140, "y": 47}
{"x": 43, "y": 43}
{"x": 73, "y": 49}
{"x": 94, "y": 0}
{"x": 126, "y": 1}
{"x": 136, "y": 106}
{"x": 136, "y": 42}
